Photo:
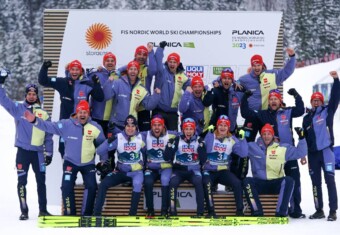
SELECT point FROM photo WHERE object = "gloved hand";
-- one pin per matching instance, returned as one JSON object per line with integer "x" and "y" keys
{"x": 211, "y": 128}
{"x": 201, "y": 142}
{"x": 3, "y": 75}
{"x": 111, "y": 138}
{"x": 104, "y": 168}
{"x": 300, "y": 132}
{"x": 48, "y": 160}
{"x": 162, "y": 44}
{"x": 95, "y": 78}
{"x": 248, "y": 93}
{"x": 292, "y": 92}
{"x": 240, "y": 133}
{"x": 47, "y": 64}
{"x": 171, "y": 142}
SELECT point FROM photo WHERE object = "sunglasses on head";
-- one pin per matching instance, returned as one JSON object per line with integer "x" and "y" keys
{"x": 225, "y": 117}
{"x": 274, "y": 91}
{"x": 188, "y": 120}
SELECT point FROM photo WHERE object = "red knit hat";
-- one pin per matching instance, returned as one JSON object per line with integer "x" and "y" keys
{"x": 189, "y": 122}
{"x": 227, "y": 73}
{"x": 197, "y": 80}
{"x": 256, "y": 59}
{"x": 109, "y": 55}
{"x": 174, "y": 56}
{"x": 223, "y": 119}
{"x": 75, "y": 63}
{"x": 83, "y": 105}
{"x": 317, "y": 95}
{"x": 133, "y": 64}
{"x": 141, "y": 50}
{"x": 276, "y": 93}
{"x": 267, "y": 127}
{"x": 157, "y": 119}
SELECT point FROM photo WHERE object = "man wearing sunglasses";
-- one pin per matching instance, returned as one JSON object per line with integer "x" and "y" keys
{"x": 281, "y": 119}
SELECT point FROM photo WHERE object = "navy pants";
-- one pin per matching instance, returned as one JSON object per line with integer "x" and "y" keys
{"x": 224, "y": 177}
{"x": 253, "y": 187}
{"x": 88, "y": 173}
{"x": 150, "y": 176}
{"x": 292, "y": 169}
{"x": 194, "y": 177}
{"x": 323, "y": 160}
{"x": 24, "y": 159}
{"x": 115, "y": 178}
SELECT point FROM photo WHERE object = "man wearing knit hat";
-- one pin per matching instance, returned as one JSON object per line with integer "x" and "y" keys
{"x": 171, "y": 79}
{"x": 145, "y": 57}
{"x": 129, "y": 145}
{"x": 129, "y": 96}
{"x": 260, "y": 81}
{"x": 220, "y": 145}
{"x": 101, "y": 110}
{"x": 281, "y": 118}
{"x": 34, "y": 147}
{"x": 318, "y": 128}
{"x": 72, "y": 89}
{"x": 224, "y": 98}
{"x": 191, "y": 105}
{"x": 187, "y": 152}
{"x": 268, "y": 158}
{"x": 156, "y": 167}
{"x": 82, "y": 136}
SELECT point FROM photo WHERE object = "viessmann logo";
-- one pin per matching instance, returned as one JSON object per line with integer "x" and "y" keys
{"x": 98, "y": 36}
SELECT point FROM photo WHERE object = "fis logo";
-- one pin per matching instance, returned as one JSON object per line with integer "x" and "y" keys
{"x": 130, "y": 146}
{"x": 220, "y": 147}
{"x": 160, "y": 144}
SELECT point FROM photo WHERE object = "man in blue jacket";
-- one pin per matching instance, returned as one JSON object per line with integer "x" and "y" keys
{"x": 281, "y": 118}
{"x": 145, "y": 57}
{"x": 171, "y": 79}
{"x": 260, "y": 81}
{"x": 35, "y": 147}
{"x": 82, "y": 136}
{"x": 129, "y": 95}
{"x": 191, "y": 105}
{"x": 267, "y": 158}
{"x": 318, "y": 128}
{"x": 72, "y": 89}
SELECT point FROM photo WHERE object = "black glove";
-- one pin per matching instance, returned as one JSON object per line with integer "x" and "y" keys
{"x": 111, "y": 138}
{"x": 3, "y": 75}
{"x": 104, "y": 168}
{"x": 47, "y": 64}
{"x": 48, "y": 160}
{"x": 300, "y": 132}
{"x": 95, "y": 79}
{"x": 292, "y": 92}
{"x": 111, "y": 126}
{"x": 162, "y": 44}
{"x": 248, "y": 93}
{"x": 171, "y": 142}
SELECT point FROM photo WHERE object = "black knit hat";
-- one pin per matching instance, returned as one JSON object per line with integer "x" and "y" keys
{"x": 130, "y": 120}
{"x": 31, "y": 87}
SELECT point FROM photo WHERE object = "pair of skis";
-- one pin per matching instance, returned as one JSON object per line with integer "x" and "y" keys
{"x": 141, "y": 221}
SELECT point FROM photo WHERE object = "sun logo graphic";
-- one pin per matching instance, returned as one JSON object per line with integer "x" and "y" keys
{"x": 98, "y": 36}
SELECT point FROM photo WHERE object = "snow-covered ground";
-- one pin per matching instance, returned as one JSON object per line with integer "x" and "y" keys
{"x": 303, "y": 79}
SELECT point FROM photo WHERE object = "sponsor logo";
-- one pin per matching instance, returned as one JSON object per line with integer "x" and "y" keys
{"x": 19, "y": 166}
{"x": 98, "y": 36}
{"x": 220, "y": 147}
{"x": 158, "y": 144}
{"x": 177, "y": 44}
{"x": 81, "y": 93}
{"x": 130, "y": 146}
{"x": 218, "y": 70}
{"x": 188, "y": 149}
{"x": 247, "y": 32}
{"x": 89, "y": 132}
{"x": 193, "y": 71}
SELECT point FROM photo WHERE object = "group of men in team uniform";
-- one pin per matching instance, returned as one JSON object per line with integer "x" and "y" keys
{"x": 130, "y": 117}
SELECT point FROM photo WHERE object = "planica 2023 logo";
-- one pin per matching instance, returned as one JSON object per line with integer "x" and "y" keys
{"x": 98, "y": 36}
